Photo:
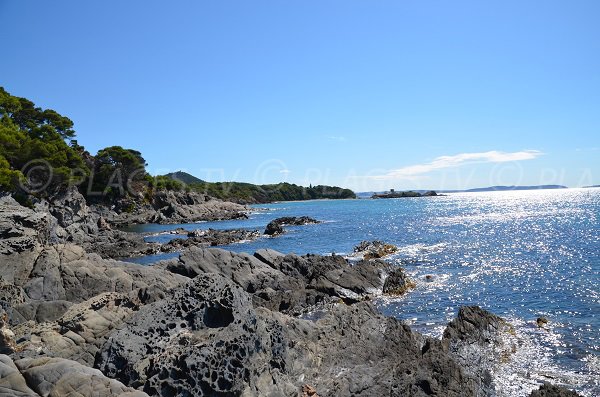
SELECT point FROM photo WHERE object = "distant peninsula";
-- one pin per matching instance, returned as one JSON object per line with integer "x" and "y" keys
{"x": 505, "y": 188}
{"x": 419, "y": 193}
{"x": 248, "y": 193}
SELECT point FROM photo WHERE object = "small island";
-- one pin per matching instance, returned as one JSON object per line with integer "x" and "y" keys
{"x": 409, "y": 193}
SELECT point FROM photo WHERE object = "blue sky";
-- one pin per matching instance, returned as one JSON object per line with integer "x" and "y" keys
{"x": 364, "y": 94}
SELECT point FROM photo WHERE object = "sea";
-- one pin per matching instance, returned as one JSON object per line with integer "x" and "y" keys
{"x": 519, "y": 254}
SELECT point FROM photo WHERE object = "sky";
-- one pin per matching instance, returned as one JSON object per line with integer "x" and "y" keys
{"x": 368, "y": 95}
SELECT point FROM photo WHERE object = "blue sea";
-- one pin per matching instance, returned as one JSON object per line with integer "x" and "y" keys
{"x": 519, "y": 254}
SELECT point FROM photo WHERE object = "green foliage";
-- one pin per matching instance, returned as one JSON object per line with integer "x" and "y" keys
{"x": 32, "y": 142}
{"x": 8, "y": 177}
{"x": 163, "y": 182}
{"x": 249, "y": 193}
{"x": 118, "y": 171}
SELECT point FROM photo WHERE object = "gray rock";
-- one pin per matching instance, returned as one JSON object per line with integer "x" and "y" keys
{"x": 479, "y": 340}
{"x": 397, "y": 283}
{"x": 80, "y": 332}
{"x": 12, "y": 382}
{"x": 210, "y": 237}
{"x": 275, "y": 227}
{"x": 374, "y": 249}
{"x": 59, "y": 377}
{"x": 548, "y": 390}
{"x": 211, "y": 340}
{"x": 290, "y": 283}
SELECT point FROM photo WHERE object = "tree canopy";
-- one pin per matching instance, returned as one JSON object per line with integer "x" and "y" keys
{"x": 33, "y": 143}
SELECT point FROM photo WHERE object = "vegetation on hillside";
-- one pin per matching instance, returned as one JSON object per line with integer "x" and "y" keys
{"x": 39, "y": 154}
{"x": 250, "y": 193}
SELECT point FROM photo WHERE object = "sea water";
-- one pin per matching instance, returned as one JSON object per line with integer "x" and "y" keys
{"x": 518, "y": 254}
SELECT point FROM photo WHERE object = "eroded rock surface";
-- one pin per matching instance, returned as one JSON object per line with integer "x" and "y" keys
{"x": 211, "y": 340}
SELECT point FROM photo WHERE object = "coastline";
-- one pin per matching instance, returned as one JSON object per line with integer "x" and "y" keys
{"x": 259, "y": 288}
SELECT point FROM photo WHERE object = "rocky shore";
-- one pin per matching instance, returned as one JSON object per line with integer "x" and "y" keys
{"x": 214, "y": 323}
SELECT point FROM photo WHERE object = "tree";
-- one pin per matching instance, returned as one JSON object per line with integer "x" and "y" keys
{"x": 118, "y": 170}
{"x": 31, "y": 135}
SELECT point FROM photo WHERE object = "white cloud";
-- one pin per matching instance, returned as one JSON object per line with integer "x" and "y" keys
{"x": 412, "y": 172}
{"x": 337, "y": 138}
{"x": 284, "y": 171}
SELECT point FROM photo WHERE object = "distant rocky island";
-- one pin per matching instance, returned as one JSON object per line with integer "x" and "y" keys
{"x": 394, "y": 194}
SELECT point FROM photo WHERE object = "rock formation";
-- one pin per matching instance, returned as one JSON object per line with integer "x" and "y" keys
{"x": 275, "y": 227}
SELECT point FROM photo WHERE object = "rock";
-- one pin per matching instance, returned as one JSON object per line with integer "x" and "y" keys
{"x": 21, "y": 229}
{"x": 397, "y": 283}
{"x": 7, "y": 336}
{"x": 103, "y": 224}
{"x": 374, "y": 249}
{"x": 479, "y": 340}
{"x": 170, "y": 207}
{"x": 541, "y": 322}
{"x": 287, "y": 283}
{"x": 309, "y": 391}
{"x": 211, "y": 340}
{"x": 275, "y": 227}
{"x": 210, "y": 238}
{"x": 80, "y": 332}
{"x": 548, "y": 390}
{"x": 430, "y": 193}
{"x": 59, "y": 377}
{"x": 429, "y": 278}
{"x": 12, "y": 382}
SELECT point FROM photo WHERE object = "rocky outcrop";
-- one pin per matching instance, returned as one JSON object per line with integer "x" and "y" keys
{"x": 80, "y": 332}
{"x": 211, "y": 340}
{"x": 210, "y": 238}
{"x": 213, "y": 322}
{"x": 548, "y": 390}
{"x": 374, "y": 249}
{"x": 289, "y": 283}
{"x": 171, "y": 207}
{"x": 21, "y": 229}
{"x": 275, "y": 227}
{"x": 397, "y": 283}
{"x": 479, "y": 340}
